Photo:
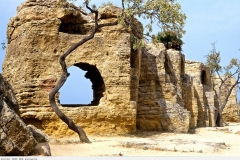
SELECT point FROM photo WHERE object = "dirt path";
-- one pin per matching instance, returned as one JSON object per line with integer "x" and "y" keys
{"x": 211, "y": 141}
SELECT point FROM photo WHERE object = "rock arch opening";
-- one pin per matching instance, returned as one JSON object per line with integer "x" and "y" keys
{"x": 77, "y": 89}
{"x": 93, "y": 74}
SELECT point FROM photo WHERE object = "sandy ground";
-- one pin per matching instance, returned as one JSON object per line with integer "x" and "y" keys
{"x": 209, "y": 141}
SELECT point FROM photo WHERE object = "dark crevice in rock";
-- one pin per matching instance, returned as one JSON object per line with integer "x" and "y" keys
{"x": 72, "y": 24}
{"x": 167, "y": 65}
{"x": 33, "y": 121}
{"x": 182, "y": 67}
{"x": 203, "y": 77}
{"x": 134, "y": 59}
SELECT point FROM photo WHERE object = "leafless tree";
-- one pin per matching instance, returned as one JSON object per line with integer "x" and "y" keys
{"x": 224, "y": 75}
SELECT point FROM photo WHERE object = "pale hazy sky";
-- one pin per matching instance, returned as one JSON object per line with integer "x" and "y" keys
{"x": 207, "y": 21}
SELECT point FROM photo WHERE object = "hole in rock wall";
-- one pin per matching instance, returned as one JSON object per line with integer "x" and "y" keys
{"x": 72, "y": 24}
{"x": 76, "y": 90}
{"x": 82, "y": 95}
{"x": 203, "y": 77}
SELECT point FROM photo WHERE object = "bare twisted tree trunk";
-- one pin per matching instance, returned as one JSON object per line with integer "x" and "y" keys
{"x": 82, "y": 135}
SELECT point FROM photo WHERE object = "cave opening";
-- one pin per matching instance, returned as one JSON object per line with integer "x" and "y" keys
{"x": 85, "y": 90}
{"x": 203, "y": 77}
{"x": 72, "y": 24}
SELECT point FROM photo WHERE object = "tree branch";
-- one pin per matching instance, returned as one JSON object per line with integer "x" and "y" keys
{"x": 229, "y": 93}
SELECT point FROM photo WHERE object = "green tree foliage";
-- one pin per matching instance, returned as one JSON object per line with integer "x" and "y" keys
{"x": 169, "y": 39}
{"x": 224, "y": 74}
{"x": 166, "y": 14}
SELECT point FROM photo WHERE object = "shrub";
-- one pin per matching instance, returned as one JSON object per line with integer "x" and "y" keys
{"x": 170, "y": 40}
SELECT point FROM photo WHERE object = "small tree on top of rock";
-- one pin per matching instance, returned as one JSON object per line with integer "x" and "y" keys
{"x": 224, "y": 75}
{"x": 165, "y": 13}
{"x": 170, "y": 40}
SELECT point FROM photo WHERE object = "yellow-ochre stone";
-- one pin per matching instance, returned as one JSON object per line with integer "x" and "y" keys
{"x": 149, "y": 89}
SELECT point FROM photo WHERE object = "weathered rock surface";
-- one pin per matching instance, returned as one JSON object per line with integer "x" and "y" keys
{"x": 37, "y": 134}
{"x": 39, "y": 33}
{"x": 151, "y": 88}
{"x": 42, "y": 147}
{"x": 16, "y": 139}
{"x": 160, "y": 101}
{"x": 199, "y": 94}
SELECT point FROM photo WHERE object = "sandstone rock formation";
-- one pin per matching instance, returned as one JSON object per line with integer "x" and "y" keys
{"x": 160, "y": 102}
{"x": 200, "y": 98}
{"x": 39, "y": 33}
{"x": 151, "y": 88}
{"x": 16, "y": 138}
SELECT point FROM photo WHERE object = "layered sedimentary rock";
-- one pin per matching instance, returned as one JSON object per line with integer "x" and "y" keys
{"x": 17, "y": 139}
{"x": 199, "y": 94}
{"x": 160, "y": 101}
{"x": 37, "y": 36}
{"x": 150, "y": 88}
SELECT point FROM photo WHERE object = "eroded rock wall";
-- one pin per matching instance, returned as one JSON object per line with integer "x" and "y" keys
{"x": 37, "y": 36}
{"x": 200, "y": 97}
{"x": 17, "y": 139}
{"x": 150, "y": 89}
{"x": 160, "y": 103}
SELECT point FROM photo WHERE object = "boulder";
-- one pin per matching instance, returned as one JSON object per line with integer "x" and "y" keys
{"x": 16, "y": 139}
{"x": 42, "y": 147}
